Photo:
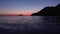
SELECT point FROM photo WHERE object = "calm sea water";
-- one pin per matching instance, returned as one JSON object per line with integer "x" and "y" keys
{"x": 28, "y": 19}
{"x": 20, "y": 19}
{"x": 29, "y": 24}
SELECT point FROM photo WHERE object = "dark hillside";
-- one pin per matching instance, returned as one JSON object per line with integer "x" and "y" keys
{"x": 49, "y": 11}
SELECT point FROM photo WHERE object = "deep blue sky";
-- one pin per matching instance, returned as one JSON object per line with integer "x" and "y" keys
{"x": 24, "y": 6}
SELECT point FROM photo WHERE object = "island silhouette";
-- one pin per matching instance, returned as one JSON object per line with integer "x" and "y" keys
{"x": 20, "y": 15}
{"x": 49, "y": 11}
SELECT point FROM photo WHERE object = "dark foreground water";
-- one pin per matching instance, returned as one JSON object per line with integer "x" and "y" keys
{"x": 29, "y": 25}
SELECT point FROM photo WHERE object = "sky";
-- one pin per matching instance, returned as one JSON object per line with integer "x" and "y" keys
{"x": 24, "y": 6}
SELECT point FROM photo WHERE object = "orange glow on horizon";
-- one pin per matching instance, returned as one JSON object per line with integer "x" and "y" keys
{"x": 24, "y": 14}
{"x": 17, "y": 12}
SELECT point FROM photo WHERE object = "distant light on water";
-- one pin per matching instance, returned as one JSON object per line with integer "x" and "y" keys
{"x": 20, "y": 19}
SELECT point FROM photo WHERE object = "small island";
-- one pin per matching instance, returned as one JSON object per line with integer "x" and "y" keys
{"x": 20, "y": 15}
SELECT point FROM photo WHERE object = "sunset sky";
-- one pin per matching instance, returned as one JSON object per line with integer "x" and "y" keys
{"x": 24, "y": 6}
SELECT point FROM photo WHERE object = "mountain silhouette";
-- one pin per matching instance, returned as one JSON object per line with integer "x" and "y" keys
{"x": 48, "y": 11}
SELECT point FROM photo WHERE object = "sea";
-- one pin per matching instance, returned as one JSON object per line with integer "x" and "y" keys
{"x": 29, "y": 24}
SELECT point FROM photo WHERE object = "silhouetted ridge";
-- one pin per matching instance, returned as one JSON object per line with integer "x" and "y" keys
{"x": 49, "y": 11}
{"x": 58, "y": 6}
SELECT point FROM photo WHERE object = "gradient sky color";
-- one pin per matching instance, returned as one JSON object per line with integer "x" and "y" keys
{"x": 24, "y": 6}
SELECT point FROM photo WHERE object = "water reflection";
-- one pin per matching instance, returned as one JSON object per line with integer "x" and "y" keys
{"x": 29, "y": 19}
{"x": 21, "y": 19}
{"x": 30, "y": 24}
